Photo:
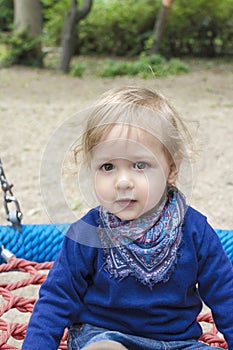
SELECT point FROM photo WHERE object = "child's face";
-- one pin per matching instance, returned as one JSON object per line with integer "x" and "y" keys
{"x": 131, "y": 171}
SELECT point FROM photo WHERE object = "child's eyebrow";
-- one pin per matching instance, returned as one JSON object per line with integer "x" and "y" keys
{"x": 102, "y": 159}
{"x": 134, "y": 158}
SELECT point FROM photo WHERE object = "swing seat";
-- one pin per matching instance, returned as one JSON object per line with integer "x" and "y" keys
{"x": 36, "y": 247}
{"x": 42, "y": 242}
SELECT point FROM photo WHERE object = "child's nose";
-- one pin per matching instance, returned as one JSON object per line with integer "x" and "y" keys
{"x": 124, "y": 182}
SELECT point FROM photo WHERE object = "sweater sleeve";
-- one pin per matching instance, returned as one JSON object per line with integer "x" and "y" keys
{"x": 216, "y": 282}
{"x": 60, "y": 298}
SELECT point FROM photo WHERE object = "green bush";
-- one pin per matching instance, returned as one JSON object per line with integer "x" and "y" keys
{"x": 113, "y": 68}
{"x": 145, "y": 67}
{"x": 124, "y": 27}
{"x": 78, "y": 69}
{"x": 18, "y": 48}
{"x": 6, "y": 14}
{"x": 176, "y": 67}
{"x": 117, "y": 27}
{"x": 199, "y": 28}
{"x": 54, "y": 12}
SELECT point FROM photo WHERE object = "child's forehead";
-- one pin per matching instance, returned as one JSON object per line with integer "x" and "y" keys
{"x": 127, "y": 141}
{"x": 129, "y": 133}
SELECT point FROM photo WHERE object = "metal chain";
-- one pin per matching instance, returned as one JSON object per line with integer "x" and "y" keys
{"x": 13, "y": 216}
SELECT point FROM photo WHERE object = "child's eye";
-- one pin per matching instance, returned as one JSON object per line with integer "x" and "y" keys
{"x": 140, "y": 165}
{"x": 107, "y": 167}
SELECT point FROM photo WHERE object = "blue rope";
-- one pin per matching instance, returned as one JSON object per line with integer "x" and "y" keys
{"x": 226, "y": 238}
{"x": 35, "y": 242}
{"x": 42, "y": 242}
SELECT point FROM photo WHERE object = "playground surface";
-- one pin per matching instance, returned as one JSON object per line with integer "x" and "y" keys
{"x": 34, "y": 103}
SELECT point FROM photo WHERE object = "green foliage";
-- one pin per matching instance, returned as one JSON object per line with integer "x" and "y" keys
{"x": 199, "y": 28}
{"x": 77, "y": 204}
{"x": 117, "y": 27}
{"x": 78, "y": 69}
{"x": 54, "y": 12}
{"x": 19, "y": 48}
{"x": 125, "y": 27}
{"x": 176, "y": 67}
{"x": 114, "y": 68}
{"x": 145, "y": 67}
{"x": 6, "y": 14}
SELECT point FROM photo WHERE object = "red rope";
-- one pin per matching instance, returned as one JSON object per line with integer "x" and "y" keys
{"x": 22, "y": 304}
{"x": 211, "y": 337}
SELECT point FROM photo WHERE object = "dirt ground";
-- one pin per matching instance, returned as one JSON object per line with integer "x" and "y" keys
{"x": 36, "y": 104}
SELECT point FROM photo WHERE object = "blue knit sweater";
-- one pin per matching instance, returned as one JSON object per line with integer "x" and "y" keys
{"x": 79, "y": 290}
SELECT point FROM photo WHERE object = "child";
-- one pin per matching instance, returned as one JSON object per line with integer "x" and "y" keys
{"x": 132, "y": 273}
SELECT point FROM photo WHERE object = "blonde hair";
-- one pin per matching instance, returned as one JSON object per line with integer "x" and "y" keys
{"x": 138, "y": 107}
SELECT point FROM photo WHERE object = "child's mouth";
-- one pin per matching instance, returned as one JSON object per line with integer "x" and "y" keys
{"x": 125, "y": 202}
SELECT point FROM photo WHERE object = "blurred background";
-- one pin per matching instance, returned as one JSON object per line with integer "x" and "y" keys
{"x": 57, "y": 57}
{"x": 50, "y": 32}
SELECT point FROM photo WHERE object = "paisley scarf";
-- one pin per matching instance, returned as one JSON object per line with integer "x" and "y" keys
{"x": 147, "y": 247}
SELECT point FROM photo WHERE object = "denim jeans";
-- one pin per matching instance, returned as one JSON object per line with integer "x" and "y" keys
{"x": 79, "y": 337}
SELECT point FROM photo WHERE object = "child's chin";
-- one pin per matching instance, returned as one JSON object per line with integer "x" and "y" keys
{"x": 126, "y": 216}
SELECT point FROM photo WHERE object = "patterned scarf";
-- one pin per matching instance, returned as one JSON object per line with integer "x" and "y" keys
{"x": 147, "y": 247}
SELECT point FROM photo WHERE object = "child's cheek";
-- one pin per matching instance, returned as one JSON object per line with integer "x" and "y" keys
{"x": 103, "y": 187}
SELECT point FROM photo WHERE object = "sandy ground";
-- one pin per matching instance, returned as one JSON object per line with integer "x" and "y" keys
{"x": 35, "y": 104}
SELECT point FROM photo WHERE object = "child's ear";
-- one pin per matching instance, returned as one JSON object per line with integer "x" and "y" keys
{"x": 173, "y": 173}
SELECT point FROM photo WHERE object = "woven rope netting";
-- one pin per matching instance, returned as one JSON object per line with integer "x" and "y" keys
{"x": 12, "y": 333}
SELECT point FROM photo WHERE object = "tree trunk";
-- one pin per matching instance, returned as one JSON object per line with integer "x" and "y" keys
{"x": 74, "y": 16}
{"x": 28, "y": 16}
{"x": 68, "y": 38}
{"x": 160, "y": 25}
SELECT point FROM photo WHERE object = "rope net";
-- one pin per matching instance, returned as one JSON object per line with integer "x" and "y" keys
{"x": 13, "y": 333}
{"x": 35, "y": 276}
